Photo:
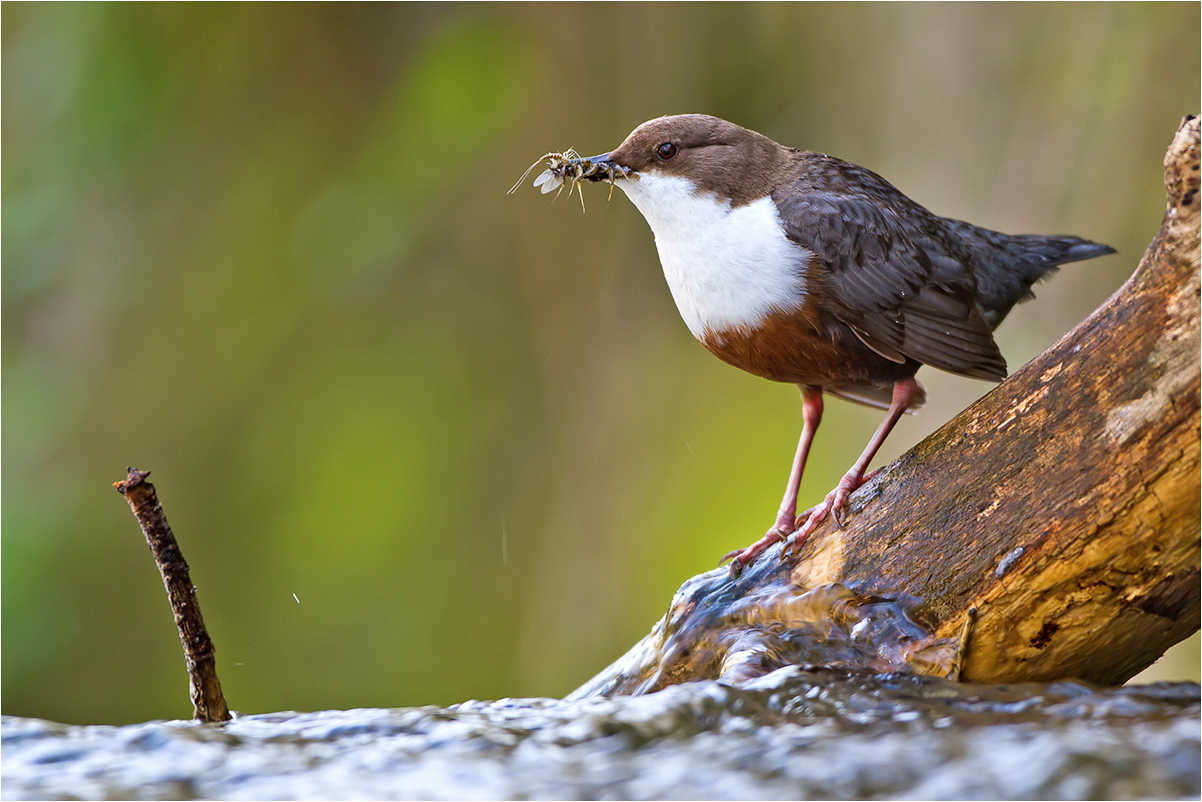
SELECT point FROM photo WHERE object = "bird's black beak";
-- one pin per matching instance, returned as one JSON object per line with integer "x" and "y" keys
{"x": 601, "y": 168}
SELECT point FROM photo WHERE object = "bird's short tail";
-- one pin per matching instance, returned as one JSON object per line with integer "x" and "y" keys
{"x": 1014, "y": 263}
{"x": 1058, "y": 250}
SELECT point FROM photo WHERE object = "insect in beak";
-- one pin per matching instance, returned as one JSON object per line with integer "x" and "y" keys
{"x": 570, "y": 168}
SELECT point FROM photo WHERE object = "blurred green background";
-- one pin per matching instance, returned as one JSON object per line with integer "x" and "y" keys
{"x": 265, "y": 251}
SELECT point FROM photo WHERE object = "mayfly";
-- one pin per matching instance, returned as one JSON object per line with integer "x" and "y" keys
{"x": 570, "y": 168}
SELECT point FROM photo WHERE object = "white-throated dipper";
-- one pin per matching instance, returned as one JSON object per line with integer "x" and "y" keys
{"x": 803, "y": 268}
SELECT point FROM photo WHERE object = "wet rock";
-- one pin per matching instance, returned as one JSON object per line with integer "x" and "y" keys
{"x": 791, "y": 734}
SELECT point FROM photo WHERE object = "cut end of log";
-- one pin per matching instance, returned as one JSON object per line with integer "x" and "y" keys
{"x": 1181, "y": 166}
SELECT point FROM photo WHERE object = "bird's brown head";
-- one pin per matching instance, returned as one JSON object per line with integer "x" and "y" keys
{"x": 716, "y": 155}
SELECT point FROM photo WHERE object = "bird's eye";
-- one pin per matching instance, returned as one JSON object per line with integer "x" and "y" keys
{"x": 665, "y": 151}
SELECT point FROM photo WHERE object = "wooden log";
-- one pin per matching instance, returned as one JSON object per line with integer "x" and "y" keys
{"x": 1051, "y": 530}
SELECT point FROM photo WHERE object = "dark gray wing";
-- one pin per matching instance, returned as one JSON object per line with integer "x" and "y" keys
{"x": 891, "y": 275}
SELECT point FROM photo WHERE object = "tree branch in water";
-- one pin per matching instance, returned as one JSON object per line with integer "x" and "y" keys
{"x": 207, "y": 700}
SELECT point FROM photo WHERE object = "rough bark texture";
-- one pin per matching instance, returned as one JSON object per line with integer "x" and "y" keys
{"x": 208, "y": 702}
{"x": 1063, "y": 507}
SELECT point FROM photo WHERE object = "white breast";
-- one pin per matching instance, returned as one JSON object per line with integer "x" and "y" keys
{"x": 727, "y": 268}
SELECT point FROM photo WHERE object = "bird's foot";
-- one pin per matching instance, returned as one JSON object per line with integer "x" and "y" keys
{"x": 741, "y": 558}
{"x": 833, "y": 505}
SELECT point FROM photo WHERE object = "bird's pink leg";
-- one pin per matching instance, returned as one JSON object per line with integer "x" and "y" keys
{"x": 786, "y": 517}
{"x": 904, "y": 392}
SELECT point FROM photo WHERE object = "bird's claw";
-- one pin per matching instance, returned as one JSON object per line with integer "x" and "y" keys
{"x": 839, "y": 504}
{"x": 795, "y": 532}
{"x": 741, "y": 558}
{"x": 834, "y": 505}
{"x": 736, "y": 565}
{"x": 727, "y": 556}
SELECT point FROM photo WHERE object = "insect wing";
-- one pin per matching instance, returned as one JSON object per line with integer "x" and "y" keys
{"x": 548, "y": 180}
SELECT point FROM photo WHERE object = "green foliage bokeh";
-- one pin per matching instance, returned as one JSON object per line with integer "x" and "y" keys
{"x": 421, "y": 441}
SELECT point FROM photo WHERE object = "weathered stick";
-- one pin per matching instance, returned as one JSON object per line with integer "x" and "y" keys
{"x": 207, "y": 700}
{"x": 1063, "y": 507}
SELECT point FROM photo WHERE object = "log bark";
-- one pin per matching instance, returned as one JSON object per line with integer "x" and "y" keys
{"x": 1051, "y": 530}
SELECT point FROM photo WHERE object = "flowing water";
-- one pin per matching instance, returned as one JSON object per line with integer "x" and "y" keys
{"x": 791, "y": 734}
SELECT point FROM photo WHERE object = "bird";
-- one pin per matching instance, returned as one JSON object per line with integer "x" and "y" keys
{"x": 806, "y": 269}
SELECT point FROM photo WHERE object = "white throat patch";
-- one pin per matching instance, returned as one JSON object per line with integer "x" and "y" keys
{"x": 727, "y": 268}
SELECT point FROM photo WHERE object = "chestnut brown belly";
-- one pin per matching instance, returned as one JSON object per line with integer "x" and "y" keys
{"x": 805, "y": 348}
